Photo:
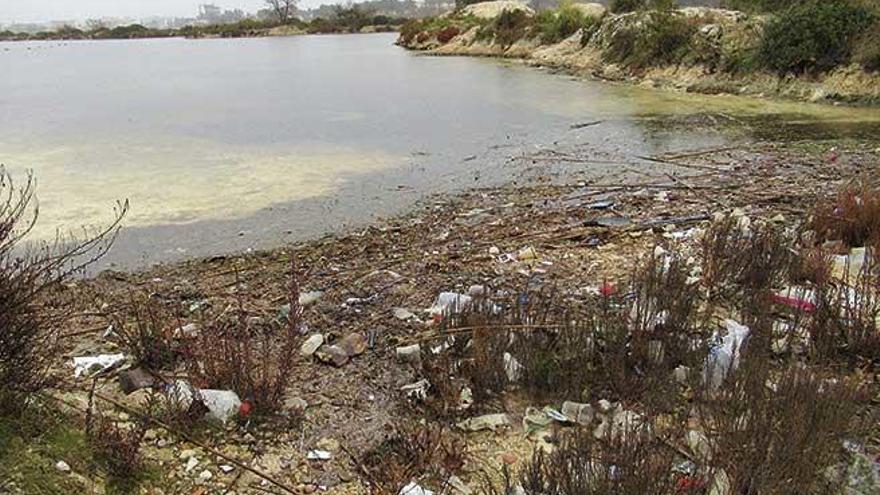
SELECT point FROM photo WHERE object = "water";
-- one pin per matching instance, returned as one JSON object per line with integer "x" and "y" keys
{"x": 221, "y": 145}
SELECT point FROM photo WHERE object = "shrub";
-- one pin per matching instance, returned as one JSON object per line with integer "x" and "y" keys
{"x": 812, "y": 37}
{"x": 446, "y": 34}
{"x": 31, "y": 298}
{"x": 254, "y": 359}
{"x": 663, "y": 39}
{"x": 412, "y": 452}
{"x": 118, "y": 449}
{"x": 778, "y": 431}
{"x": 867, "y": 48}
{"x": 508, "y": 28}
{"x": 410, "y": 30}
{"x": 145, "y": 328}
{"x": 621, "y": 6}
{"x": 854, "y": 217}
{"x": 632, "y": 463}
{"x": 555, "y": 26}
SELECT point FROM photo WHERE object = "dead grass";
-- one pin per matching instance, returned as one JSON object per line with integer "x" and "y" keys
{"x": 249, "y": 354}
{"x": 777, "y": 430}
{"x": 853, "y": 217}
{"x": 29, "y": 276}
{"x": 412, "y": 453}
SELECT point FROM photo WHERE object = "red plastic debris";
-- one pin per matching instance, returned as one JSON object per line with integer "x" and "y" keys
{"x": 794, "y": 303}
{"x": 607, "y": 289}
{"x": 689, "y": 484}
{"x": 245, "y": 409}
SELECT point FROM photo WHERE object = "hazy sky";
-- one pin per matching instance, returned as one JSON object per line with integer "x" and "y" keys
{"x": 47, "y": 10}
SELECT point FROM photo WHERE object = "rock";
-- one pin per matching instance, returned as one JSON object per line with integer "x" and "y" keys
{"x": 135, "y": 379}
{"x": 699, "y": 445}
{"x": 226, "y": 468}
{"x": 296, "y": 404}
{"x": 206, "y": 475}
{"x": 62, "y": 466}
{"x": 593, "y": 10}
{"x": 187, "y": 454}
{"x": 354, "y": 344}
{"x": 720, "y": 484}
{"x": 579, "y": 413}
{"x": 403, "y": 314}
{"x": 509, "y": 458}
{"x": 309, "y": 298}
{"x": 494, "y": 251}
{"x": 491, "y": 10}
{"x": 191, "y": 464}
{"x": 311, "y": 345}
{"x": 680, "y": 374}
{"x": 486, "y": 422}
{"x": 188, "y": 331}
{"x": 409, "y": 354}
{"x": 605, "y": 406}
{"x": 334, "y": 355}
{"x": 476, "y": 291}
{"x": 328, "y": 444}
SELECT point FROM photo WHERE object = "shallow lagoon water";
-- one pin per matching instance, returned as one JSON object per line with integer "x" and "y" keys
{"x": 222, "y": 145}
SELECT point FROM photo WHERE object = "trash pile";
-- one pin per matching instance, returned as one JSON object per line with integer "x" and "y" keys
{"x": 380, "y": 303}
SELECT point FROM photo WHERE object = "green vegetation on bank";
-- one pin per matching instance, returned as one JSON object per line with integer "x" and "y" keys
{"x": 790, "y": 37}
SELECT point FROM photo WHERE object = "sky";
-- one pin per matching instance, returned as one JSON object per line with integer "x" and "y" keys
{"x": 12, "y": 11}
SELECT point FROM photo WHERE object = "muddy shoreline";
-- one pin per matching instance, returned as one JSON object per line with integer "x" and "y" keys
{"x": 583, "y": 232}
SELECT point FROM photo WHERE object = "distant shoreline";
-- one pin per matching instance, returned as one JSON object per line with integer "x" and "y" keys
{"x": 244, "y": 29}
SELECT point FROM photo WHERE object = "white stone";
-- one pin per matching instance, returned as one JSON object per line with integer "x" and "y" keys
{"x": 491, "y": 10}
{"x": 62, "y": 466}
{"x": 311, "y": 345}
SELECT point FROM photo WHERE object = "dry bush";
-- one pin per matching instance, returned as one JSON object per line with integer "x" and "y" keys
{"x": 254, "y": 360}
{"x": 116, "y": 448}
{"x": 411, "y": 453}
{"x": 743, "y": 262}
{"x": 605, "y": 347}
{"x": 145, "y": 328}
{"x": 632, "y": 463}
{"x": 30, "y": 291}
{"x": 854, "y": 217}
{"x": 446, "y": 34}
{"x": 777, "y": 430}
{"x": 846, "y": 324}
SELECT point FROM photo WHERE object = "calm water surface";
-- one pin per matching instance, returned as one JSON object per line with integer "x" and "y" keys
{"x": 226, "y": 144}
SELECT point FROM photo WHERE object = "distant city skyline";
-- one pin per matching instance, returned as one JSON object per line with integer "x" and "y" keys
{"x": 37, "y": 11}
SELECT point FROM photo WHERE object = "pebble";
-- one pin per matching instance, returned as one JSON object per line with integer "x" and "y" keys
{"x": 186, "y": 454}
{"x": 62, "y": 466}
{"x": 509, "y": 458}
{"x": 311, "y": 345}
{"x": 206, "y": 475}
